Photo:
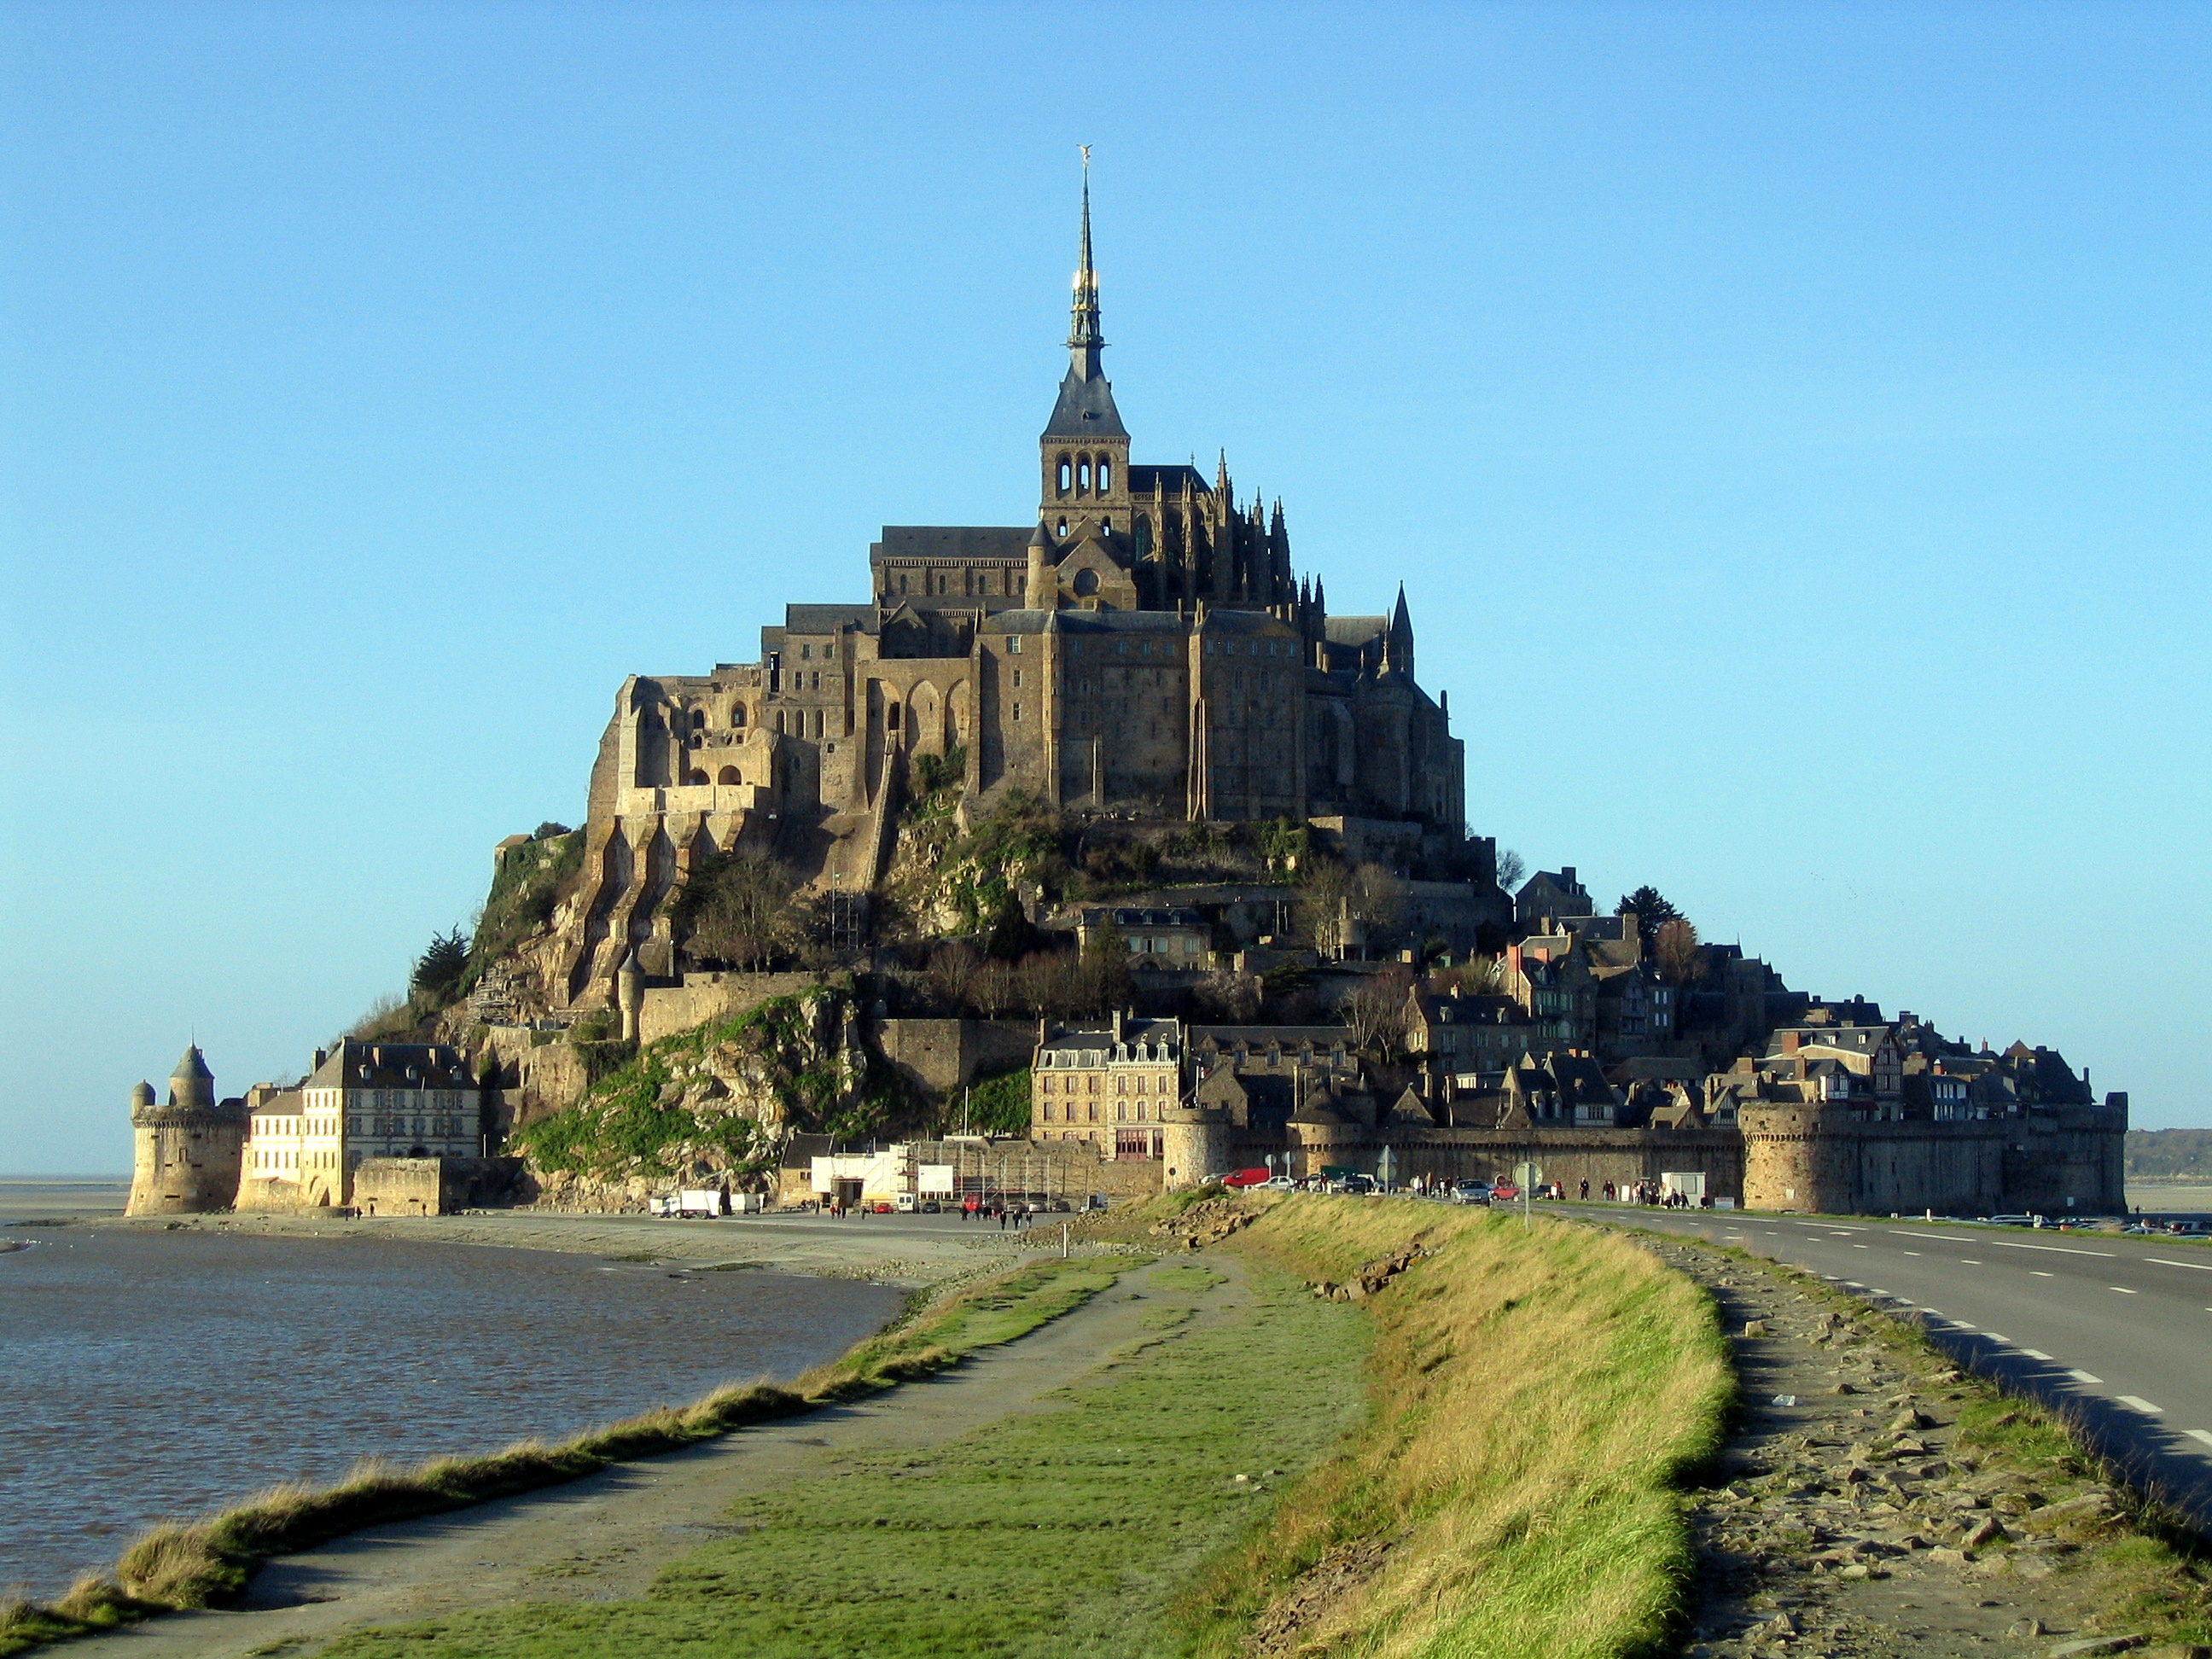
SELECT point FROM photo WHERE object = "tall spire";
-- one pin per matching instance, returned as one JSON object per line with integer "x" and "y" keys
{"x": 1083, "y": 339}
{"x": 1085, "y": 407}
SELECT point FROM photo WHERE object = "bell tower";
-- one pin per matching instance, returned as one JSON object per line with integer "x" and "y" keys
{"x": 1084, "y": 451}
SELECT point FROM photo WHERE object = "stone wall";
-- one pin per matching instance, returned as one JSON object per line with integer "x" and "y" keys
{"x": 942, "y": 1055}
{"x": 1817, "y": 1157}
{"x": 704, "y": 997}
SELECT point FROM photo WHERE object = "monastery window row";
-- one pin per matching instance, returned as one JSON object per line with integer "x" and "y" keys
{"x": 1084, "y": 474}
{"x": 1120, "y": 1084}
{"x": 975, "y": 583}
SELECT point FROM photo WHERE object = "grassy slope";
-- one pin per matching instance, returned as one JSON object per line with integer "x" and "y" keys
{"x": 203, "y": 1564}
{"x": 1537, "y": 1398}
{"x": 1047, "y": 1533}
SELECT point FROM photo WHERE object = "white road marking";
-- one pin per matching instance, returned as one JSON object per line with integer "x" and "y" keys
{"x": 1961, "y": 1325}
{"x": 1861, "y": 1247}
{"x": 2035, "y": 1353}
{"x": 1913, "y": 1253}
{"x": 2084, "y": 1376}
{"x": 1996, "y": 1336}
{"x": 2205, "y": 1435}
{"x": 2038, "y": 1273}
{"x": 2007, "y": 1244}
{"x": 2200, "y": 1266}
{"x": 1830, "y": 1227}
{"x": 2122, "y": 1289}
{"x": 1968, "y": 1261}
{"x": 2137, "y": 1402}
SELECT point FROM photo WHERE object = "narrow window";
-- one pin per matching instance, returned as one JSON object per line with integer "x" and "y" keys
{"x": 806, "y": 654}
{"x": 891, "y": 718}
{"x": 1083, "y": 475}
{"x": 1063, "y": 475}
{"x": 1014, "y": 645}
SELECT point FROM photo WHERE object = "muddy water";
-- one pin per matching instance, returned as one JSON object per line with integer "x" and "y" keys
{"x": 147, "y": 1375}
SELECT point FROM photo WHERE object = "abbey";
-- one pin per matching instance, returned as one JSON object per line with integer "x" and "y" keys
{"x": 1143, "y": 648}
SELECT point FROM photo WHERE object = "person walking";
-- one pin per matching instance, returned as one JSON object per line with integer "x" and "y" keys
{"x": 1585, "y": 1189}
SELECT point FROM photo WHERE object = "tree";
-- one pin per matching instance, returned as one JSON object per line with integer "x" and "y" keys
{"x": 1512, "y": 870}
{"x": 1681, "y": 958}
{"x": 738, "y": 909}
{"x": 1324, "y": 886}
{"x": 1377, "y": 1012}
{"x": 438, "y": 970}
{"x": 1228, "y": 998}
{"x": 1652, "y": 911}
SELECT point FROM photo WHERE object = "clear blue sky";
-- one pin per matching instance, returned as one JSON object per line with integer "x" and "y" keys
{"x": 1788, "y": 423}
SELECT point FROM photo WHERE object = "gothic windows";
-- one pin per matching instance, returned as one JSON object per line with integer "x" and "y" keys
{"x": 1105, "y": 476}
{"x": 1142, "y": 533}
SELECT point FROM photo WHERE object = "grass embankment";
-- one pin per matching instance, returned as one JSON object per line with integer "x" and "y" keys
{"x": 205, "y": 1562}
{"x": 1526, "y": 1407}
{"x": 1537, "y": 1400}
{"x": 1058, "y": 1531}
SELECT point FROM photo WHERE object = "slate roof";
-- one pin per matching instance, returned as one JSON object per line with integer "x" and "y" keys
{"x": 828, "y": 618}
{"x": 1010, "y": 543}
{"x": 354, "y": 1064}
{"x": 1085, "y": 409}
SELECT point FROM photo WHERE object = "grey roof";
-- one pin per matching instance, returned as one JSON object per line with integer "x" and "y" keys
{"x": 1355, "y": 631}
{"x": 1145, "y": 480}
{"x": 287, "y": 1102}
{"x": 828, "y": 618}
{"x": 932, "y": 541}
{"x": 355, "y": 1065}
{"x": 1085, "y": 409}
{"x": 1127, "y": 915}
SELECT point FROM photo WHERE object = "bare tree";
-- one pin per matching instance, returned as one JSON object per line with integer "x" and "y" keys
{"x": 1324, "y": 887}
{"x": 1378, "y": 896}
{"x": 740, "y": 913}
{"x": 1377, "y": 1012}
{"x": 1681, "y": 958}
{"x": 1512, "y": 870}
{"x": 1228, "y": 998}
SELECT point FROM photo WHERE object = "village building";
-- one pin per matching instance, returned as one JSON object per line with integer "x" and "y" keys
{"x": 362, "y": 1104}
{"x": 1109, "y": 1086}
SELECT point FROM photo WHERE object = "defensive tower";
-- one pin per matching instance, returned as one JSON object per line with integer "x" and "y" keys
{"x": 186, "y": 1153}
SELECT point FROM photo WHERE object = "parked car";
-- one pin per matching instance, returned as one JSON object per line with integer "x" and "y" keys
{"x": 1504, "y": 1192}
{"x": 1281, "y": 1184}
{"x": 1470, "y": 1191}
{"x": 1246, "y": 1178}
{"x": 2009, "y": 1220}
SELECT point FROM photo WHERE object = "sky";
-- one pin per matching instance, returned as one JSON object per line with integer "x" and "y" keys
{"x": 1788, "y": 423}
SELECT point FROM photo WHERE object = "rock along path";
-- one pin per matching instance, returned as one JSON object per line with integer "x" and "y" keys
{"x": 1848, "y": 1523}
{"x": 606, "y": 1537}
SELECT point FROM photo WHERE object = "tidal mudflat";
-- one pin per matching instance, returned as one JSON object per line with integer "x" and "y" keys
{"x": 154, "y": 1374}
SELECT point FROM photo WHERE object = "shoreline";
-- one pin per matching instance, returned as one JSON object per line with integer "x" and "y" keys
{"x": 911, "y": 1252}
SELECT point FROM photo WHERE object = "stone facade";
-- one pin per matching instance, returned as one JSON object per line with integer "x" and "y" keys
{"x": 1142, "y": 648}
{"x": 360, "y": 1101}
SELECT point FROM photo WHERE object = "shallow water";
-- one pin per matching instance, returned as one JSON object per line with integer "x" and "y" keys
{"x": 153, "y": 1374}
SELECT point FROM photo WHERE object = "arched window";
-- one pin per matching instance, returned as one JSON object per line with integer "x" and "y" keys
{"x": 1105, "y": 475}
{"x": 1083, "y": 475}
{"x": 730, "y": 775}
{"x": 902, "y": 581}
{"x": 698, "y": 778}
{"x": 1064, "y": 475}
{"x": 1143, "y": 529}
{"x": 737, "y": 717}
{"x": 698, "y": 720}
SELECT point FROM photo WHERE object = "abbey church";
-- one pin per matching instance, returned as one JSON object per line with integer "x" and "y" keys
{"x": 1142, "y": 648}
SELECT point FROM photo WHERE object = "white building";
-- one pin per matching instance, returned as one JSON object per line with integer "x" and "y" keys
{"x": 362, "y": 1099}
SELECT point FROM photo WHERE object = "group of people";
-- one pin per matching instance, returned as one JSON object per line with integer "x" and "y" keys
{"x": 1651, "y": 1193}
{"x": 1016, "y": 1216}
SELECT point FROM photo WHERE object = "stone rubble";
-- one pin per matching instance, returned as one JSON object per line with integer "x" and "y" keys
{"x": 1845, "y": 1522}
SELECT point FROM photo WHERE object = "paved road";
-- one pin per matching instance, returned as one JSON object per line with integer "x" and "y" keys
{"x": 2116, "y": 1331}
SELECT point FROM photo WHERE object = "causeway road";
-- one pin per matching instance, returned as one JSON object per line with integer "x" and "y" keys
{"x": 2113, "y": 1330}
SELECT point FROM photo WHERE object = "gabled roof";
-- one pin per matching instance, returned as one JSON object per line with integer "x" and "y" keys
{"x": 828, "y": 618}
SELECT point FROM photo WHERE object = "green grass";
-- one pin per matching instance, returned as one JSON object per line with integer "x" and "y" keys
{"x": 1059, "y": 1532}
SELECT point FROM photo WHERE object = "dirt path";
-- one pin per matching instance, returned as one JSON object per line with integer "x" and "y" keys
{"x": 606, "y": 1537}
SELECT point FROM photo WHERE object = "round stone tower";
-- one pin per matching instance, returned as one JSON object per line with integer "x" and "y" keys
{"x": 186, "y": 1153}
{"x": 1194, "y": 1144}
{"x": 1798, "y": 1158}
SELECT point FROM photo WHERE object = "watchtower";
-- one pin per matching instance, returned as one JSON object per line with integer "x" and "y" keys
{"x": 186, "y": 1153}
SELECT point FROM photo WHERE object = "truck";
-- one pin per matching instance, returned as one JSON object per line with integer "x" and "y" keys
{"x": 693, "y": 1202}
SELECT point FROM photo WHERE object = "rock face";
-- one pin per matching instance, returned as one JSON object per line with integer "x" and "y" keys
{"x": 712, "y": 1106}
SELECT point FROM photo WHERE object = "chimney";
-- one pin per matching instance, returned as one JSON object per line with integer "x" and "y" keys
{"x": 321, "y": 1054}
{"x": 1567, "y": 875}
{"x": 1117, "y": 1025}
{"x": 1789, "y": 1042}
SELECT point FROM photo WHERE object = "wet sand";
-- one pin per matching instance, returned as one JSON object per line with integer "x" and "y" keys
{"x": 909, "y": 1250}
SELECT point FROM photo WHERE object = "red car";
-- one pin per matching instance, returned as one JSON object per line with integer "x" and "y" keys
{"x": 1248, "y": 1178}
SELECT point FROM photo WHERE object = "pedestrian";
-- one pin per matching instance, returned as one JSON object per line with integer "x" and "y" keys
{"x": 1585, "y": 1190}
{"x": 1002, "y": 1218}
